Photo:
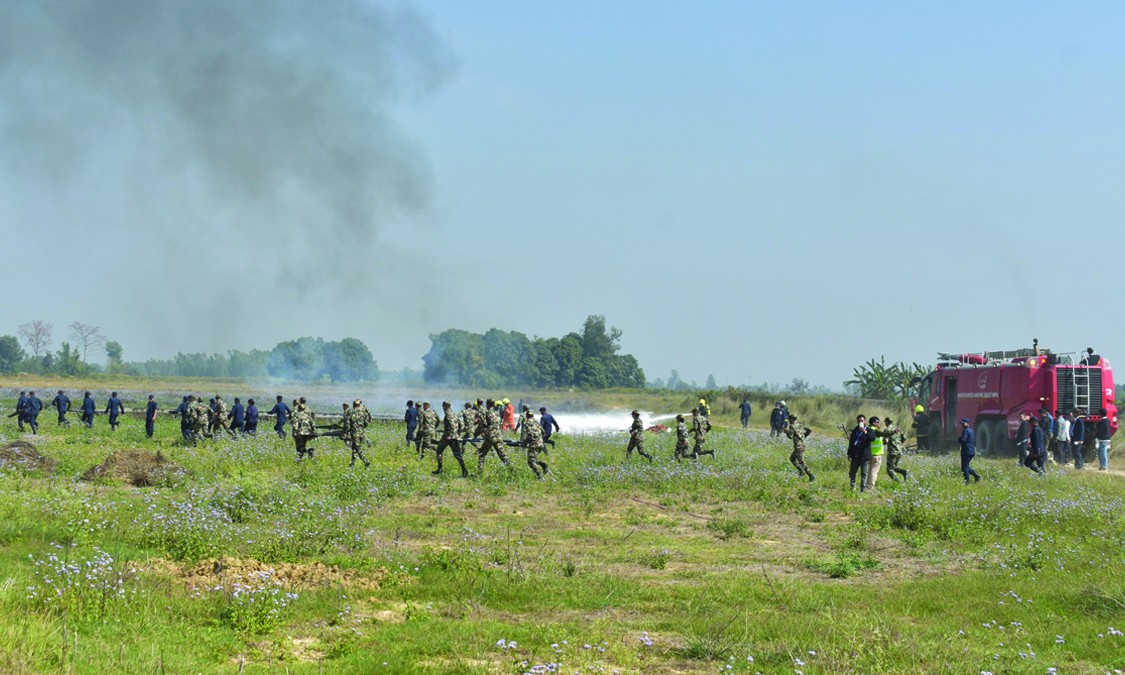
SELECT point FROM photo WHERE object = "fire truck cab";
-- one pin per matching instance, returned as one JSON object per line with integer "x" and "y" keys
{"x": 993, "y": 388}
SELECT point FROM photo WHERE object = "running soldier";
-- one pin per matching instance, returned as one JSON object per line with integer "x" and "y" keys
{"x": 700, "y": 425}
{"x": 681, "y": 439}
{"x": 896, "y": 438}
{"x": 222, "y": 420}
{"x": 489, "y": 430}
{"x": 637, "y": 438}
{"x": 428, "y": 423}
{"x": 798, "y": 433}
{"x": 197, "y": 413}
{"x": 468, "y": 424}
{"x": 355, "y": 431}
{"x": 450, "y": 438}
{"x": 302, "y": 424}
{"x": 532, "y": 439}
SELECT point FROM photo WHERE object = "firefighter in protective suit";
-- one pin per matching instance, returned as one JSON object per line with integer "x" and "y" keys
{"x": 921, "y": 426}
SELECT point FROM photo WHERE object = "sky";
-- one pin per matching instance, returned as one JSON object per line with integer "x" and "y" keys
{"x": 754, "y": 190}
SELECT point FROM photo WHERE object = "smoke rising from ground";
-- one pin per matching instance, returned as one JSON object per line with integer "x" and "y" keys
{"x": 238, "y": 159}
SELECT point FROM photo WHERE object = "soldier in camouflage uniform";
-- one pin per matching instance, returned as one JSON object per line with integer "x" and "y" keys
{"x": 197, "y": 415}
{"x": 303, "y": 426}
{"x": 637, "y": 438}
{"x": 428, "y": 423}
{"x": 489, "y": 430}
{"x": 355, "y": 430}
{"x": 450, "y": 438}
{"x": 700, "y": 425}
{"x": 532, "y": 439}
{"x": 895, "y": 440}
{"x": 468, "y": 424}
{"x": 222, "y": 419}
{"x": 798, "y": 433}
{"x": 681, "y": 438}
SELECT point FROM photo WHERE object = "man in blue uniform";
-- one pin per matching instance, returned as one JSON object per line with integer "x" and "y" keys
{"x": 547, "y": 421}
{"x": 282, "y": 412}
{"x": 744, "y": 413}
{"x": 1077, "y": 437}
{"x": 88, "y": 409}
{"x": 32, "y": 410}
{"x": 21, "y": 410}
{"x": 238, "y": 417}
{"x": 182, "y": 411}
{"x": 968, "y": 441}
{"x": 62, "y": 405}
{"x": 411, "y": 418}
{"x": 251, "y": 418}
{"x": 114, "y": 409}
{"x": 150, "y": 416}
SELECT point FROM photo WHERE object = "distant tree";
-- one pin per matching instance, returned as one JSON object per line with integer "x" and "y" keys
{"x": 454, "y": 357}
{"x": 569, "y": 357}
{"x": 86, "y": 337}
{"x": 10, "y": 353}
{"x": 798, "y": 386}
{"x": 711, "y": 383}
{"x": 67, "y": 361}
{"x": 349, "y": 360}
{"x": 37, "y": 337}
{"x": 593, "y": 374}
{"x": 597, "y": 341}
{"x": 247, "y": 364}
{"x": 113, "y": 353}
{"x": 546, "y": 362}
{"x": 301, "y": 359}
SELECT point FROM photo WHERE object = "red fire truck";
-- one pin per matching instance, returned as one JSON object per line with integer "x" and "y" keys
{"x": 993, "y": 388}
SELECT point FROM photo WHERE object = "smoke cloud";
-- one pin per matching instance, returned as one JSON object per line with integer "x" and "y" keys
{"x": 238, "y": 158}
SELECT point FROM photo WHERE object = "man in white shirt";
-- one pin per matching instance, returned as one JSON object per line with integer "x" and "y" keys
{"x": 1062, "y": 437}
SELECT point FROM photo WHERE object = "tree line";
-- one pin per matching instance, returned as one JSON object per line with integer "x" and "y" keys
{"x": 589, "y": 360}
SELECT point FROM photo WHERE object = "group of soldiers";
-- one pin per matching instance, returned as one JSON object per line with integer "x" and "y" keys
{"x": 700, "y": 426}
{"x": 480, "y": 424}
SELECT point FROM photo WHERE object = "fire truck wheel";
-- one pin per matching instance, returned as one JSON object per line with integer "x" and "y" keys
{"x": 986, "y": 438}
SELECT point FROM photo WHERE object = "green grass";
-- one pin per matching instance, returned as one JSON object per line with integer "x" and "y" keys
{"x": 615, "y": 564}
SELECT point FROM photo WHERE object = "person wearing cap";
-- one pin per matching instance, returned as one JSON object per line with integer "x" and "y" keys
{"x": 61, "y": 405}
{"x": 468, "y": 424}
{"x": 88, "y": 409}
{"x": 411, "y": 419}
{"x": 921, "y": 425}
{"x": 150, "y": 416}
{"x": 532, "y": 440}
{"x": 1103, "y": 435}
{"x": 681, "y": 451}
{"x": 222, "y": 420}
{"x": 450, "y": 438}
{"x": 355, "y": 430}
{"x": 637, "y": 438}
{"x": 798, "y": 433}
{"x": 700, "y": 425}
{"x": 895, "y": 440}
{"x": 547, "y": 421}
{"x": 859, "y": 453}
{"x": 1077, "y": 438}
{"x": 21, "y": 408}
{"x": 968, "y": 443}
{"x": 251, "y": 418}
{"x": 31, "y": 411}
{"x": 114, "y": 408}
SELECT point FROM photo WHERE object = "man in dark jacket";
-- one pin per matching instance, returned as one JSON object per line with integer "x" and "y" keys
{"x": 1077, "y": 437}
{"x": 21, "y": 410}
{"x": 968, "y": 442}
{"x": 31, "y": 411}
{"x": 185, "y": 425}
{"x": 411, "y": 419}
{"x": 238, "y": 417}
{"x": 282, "y": 412}
{"x": 1103, "y": 441}
{"x": 114, "y": 408}
{"x": 777, "y": 422}
{"x": 88, "y": 409}
{"x": 859, "y": 453}
{"x": 251, "y": 418}
{"x": 150, "y": 416}
{"x": 1035, "y": 447}
{"x": 1023, "y": 437}
{"x": 744, "y": 413}
{"x": 62, "y": 405}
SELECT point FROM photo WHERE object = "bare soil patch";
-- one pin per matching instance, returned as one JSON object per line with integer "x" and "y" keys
{"x": 213, "y": 571}
{"x": 139, "y": 468}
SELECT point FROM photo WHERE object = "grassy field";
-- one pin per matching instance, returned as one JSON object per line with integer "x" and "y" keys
{"x": 246, "y": 561}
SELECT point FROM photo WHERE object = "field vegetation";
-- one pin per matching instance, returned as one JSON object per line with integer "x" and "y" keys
{"x": 236, "y": 558}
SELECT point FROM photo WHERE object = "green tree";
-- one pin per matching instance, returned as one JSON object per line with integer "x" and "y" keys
{"x": 569, "y": 357}
{"x": 349, "y": 360}
{"x": 546, "y": 362}
{"x": 301, "y": 359}
{"x": 10, "y": 353}
{"x": 68, "y": 361}
{"x": 597, "y": 341}
{"x": 592, "y": 374}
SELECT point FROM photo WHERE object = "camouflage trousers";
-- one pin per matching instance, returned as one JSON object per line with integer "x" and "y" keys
{"x": 637, "y": 444}
{"x": 197, "y": 432}
{"x": 355, "y": 443}
{"x": 425, "y": 444}
{"x": 533, "y": 459}
{"x": 797, "y": 459}
{"x": 681, "y": 451}
{"x": 454, "y": 445}
{"x": 302, "y": 443}
{"x": 698, "y": 450}
{"x": 893, "y": 467}
{"x": 490, "y": 444}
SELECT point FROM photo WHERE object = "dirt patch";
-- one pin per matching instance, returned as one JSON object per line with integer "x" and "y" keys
{"x": 23, "y": 456}
{"x": 139, "y": 468}
{"x": 213, "y": 571}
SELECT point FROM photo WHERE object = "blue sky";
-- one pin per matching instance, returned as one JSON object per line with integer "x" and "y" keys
{"x": 756, "y": 190}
